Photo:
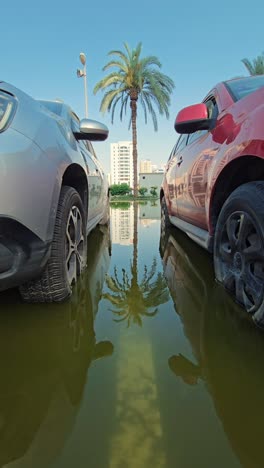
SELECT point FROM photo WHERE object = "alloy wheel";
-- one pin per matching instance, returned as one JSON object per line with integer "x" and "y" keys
{"x": 75, "y": 245}
{"x": 241, "y": 260}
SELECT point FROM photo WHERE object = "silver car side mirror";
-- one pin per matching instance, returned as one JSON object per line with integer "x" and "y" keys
{"x": 92, "y": 130}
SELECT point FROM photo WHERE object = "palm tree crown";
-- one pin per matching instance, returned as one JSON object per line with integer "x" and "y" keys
{"x": 132, "y": 300}
{"x": 134, "y": 79}
{"x": 256, "y": 67}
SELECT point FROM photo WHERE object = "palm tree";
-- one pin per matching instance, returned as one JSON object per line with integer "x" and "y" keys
{"x": 132, "y": 300}
{"x": 135, "y": 78}
{"x": 256, "y": 67}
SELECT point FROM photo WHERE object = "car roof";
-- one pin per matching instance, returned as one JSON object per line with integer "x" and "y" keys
{"x": 239, "y": 78}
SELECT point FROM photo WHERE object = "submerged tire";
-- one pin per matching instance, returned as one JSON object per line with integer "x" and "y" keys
{"x": 106, "y": 216}
{"x": 239, "y": 248}
{"x": 68, "y": 253}
{"x": 165, "y": 220}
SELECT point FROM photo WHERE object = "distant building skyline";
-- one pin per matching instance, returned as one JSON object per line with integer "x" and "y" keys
{"x": 121, "y": 163}
{"x": 145, "y": 166}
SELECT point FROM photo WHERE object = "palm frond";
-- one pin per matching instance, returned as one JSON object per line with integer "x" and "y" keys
{"x": 116, "y": 63}
{"x": 111, "y": 79}
{"x": 120, "y": 54}
{"x": 256, "y": 67}
{"x": 108, "y": 99}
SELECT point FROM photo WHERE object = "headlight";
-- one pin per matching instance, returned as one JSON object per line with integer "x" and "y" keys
{"x": 7, "y": 109}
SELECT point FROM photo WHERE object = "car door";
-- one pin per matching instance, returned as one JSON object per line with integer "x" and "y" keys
{"x": 170, "y": 174}
{"x": 95, "y": 180}
{"x": 193, "y": 165}
{"x": 95, "y": 176}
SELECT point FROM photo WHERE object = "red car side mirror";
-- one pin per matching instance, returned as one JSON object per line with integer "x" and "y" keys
{"x": 192, "y": 118}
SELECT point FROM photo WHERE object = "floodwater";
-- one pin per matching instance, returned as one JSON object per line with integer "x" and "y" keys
{"x": 149, "y": 365}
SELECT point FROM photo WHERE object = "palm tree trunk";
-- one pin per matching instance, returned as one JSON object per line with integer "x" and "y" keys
{"x": 135, "y": 237}
{"x": 133, "y": 106}
{"x": 134, "y": 279}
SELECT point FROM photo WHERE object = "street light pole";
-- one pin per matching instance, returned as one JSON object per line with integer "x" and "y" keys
{"x": 82, "y": 73}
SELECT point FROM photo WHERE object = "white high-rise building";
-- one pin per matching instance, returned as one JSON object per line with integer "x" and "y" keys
{"x": 122, "y": 163}
{"x": 122, "y": 224}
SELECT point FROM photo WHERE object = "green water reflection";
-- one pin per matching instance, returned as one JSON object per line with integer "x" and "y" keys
{"x": 227, "y": 349}
{"x": 150, "y": 364}
{"x": 46, "y": 354}
{"x": 131, "y": 298}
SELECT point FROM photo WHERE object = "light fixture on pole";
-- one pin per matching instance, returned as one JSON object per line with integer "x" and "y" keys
{"x": 80, "y": 74}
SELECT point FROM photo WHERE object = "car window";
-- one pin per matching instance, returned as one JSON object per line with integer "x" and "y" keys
{"x": 212, "y": 114}
{"x": 173, "y": 151}
{"x": 212, "y": 108}
{"x": 181, "y": 143}
{"x": 194, "y": 136}
{"x": 90, "y": 147}
{"x": 75, "y": 125}
{"x": 242, "y": 87}
{"x": 75, "y": 122}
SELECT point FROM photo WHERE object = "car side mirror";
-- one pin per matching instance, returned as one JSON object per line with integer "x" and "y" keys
{"x": 91, "y": 130}
{"x": 193, "y": 118}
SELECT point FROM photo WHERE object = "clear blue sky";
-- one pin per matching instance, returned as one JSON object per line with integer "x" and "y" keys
{"x": 198, "y": 44}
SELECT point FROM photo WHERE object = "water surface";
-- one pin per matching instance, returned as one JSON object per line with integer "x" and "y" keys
{"x": 150, "y": 364}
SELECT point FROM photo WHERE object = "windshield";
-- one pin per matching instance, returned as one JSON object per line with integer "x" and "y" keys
{"x": 244, "y": 86}
{"x": 53, "y": 106}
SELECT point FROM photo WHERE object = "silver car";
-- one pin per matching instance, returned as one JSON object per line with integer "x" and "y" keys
{"x": 53, "y": 192}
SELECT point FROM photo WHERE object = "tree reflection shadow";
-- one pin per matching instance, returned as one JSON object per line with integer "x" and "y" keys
{"x": 131, "y": 298}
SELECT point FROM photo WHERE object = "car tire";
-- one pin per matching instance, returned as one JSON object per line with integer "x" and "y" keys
{"x": 68, "y": 253}
{"x": 165, "y": 220}
{"x": 239, "y": 248}
{"x": 106, "y": 216}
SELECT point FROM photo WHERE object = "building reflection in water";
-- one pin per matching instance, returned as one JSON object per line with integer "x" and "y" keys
{"x": 133, "y": 296}
{"x": 228, "y": 350}
{"x": 122, "y": 219}
{"x": 46, "y": 351}
{"x": 149, "y": 212}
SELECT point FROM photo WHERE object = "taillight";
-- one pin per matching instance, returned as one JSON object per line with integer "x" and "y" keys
{"x": 7, "y": 109}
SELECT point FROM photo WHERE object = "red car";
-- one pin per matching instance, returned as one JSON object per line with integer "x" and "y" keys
{"x": 213, "y": 187}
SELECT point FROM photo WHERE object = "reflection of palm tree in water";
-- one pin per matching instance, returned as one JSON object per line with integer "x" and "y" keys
{"x": 130, "y": 298}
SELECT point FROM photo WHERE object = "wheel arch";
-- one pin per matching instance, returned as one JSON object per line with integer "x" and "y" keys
{"x": 239, "y": 171}
{"x": 74, "y": 176}
{"x": 161, "y": 194}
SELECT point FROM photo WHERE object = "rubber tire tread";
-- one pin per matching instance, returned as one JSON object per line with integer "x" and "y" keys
{"x": 164, "y": 213}
{"x": 249, "y": 196}
{"x": 53, "y": 285}
{"x": 106, "y": 216}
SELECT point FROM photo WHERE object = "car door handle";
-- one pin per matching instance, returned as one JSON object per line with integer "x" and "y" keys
{"x": 180, "y": 160}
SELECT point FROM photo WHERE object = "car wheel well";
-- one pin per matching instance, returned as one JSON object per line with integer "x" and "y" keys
{"x": 75, "y": 177}
{"x": 240, "y": 171}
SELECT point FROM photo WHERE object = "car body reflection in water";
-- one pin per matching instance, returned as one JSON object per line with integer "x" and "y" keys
{"x": 46, "y": 352}
{"x": 228, "y": 350}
